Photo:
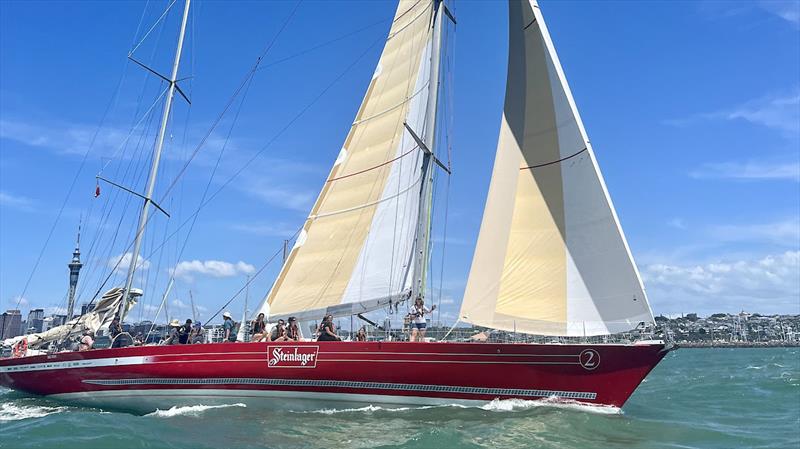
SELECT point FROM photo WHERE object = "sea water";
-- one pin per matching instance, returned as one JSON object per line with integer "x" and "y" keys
{"x": 696, "y": 398}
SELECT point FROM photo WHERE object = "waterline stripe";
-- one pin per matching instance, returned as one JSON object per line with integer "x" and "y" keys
{"x": 516, "y": 392}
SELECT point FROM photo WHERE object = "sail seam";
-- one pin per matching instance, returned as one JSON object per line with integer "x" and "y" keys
{"x": 414, "y": 95}
{"x": 554, "y": 162}
{"x": 373, "y": 168}
{"x": 406, "y": 11}
{"x": 410, "y": 22}
{"x": 528, "y": 25}
{"x": 362, "y": 206}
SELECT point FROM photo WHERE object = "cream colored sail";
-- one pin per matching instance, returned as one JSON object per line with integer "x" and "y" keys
{"x": 99, "y": 317}
{"x": 355, "y": 251}
{"x": 551, "y": 258}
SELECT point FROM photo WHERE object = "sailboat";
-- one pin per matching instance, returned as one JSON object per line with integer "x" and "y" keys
{"x": 551, "y": 259}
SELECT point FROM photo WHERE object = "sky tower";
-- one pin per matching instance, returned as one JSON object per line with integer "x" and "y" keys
{"x": 74, "y": 268}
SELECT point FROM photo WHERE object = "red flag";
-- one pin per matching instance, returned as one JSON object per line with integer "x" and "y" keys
{"x": 97, "y": 191}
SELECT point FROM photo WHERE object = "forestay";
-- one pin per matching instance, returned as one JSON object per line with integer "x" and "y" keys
{"x": 551, "y": 258}
{"x": 355, "y": 251}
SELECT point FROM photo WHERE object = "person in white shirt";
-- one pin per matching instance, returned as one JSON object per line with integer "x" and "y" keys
{"x": 418, "y": 322}
{"x": 87, "y": 341}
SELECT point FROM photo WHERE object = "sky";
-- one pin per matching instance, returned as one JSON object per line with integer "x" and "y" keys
{"x": 693, "y": 112}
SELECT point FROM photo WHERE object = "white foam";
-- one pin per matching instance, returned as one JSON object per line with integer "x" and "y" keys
{"x": 497, "y": 405}
{"x": 189, "y": 410}
{"x": 13, "y": 412}
{"x": 509, "y": 405}
{"x": 754, "y": 367}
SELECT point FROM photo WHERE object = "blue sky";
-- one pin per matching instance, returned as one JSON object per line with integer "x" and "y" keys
{"x": 693, "y": 111}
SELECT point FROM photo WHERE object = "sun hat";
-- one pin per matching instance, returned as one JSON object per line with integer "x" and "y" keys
{"x": 175, "y": 323}
{"x": 227, "y": 315}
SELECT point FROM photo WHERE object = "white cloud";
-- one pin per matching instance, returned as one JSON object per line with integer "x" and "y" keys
{"x": 286, "y": 197}
{"x": 19, "y": 302}
{"x": 677, "y": 223}
{"x": 55, "y": 311}
{"x": 15, "y": 201}
{"x": 769, "y": 284}
{"x": 266, "y": 229}
{"x": 779, "y": 112}
{"x": 214, "y": 268}
{"x": 66, "y": 138}
{"x": 788, "y": 10}
{"x": 125, "y": 262}
{"x": 785, "y": 232}
{"x": 749, "y": 171}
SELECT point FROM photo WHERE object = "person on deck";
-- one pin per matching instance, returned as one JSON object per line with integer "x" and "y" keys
{"x": 361, "y": 335}
{"x": 114, "y": 330}
{"x": 327, "y": 330}
{"x": 292, "y": 330}
{"x": 87, "y": 341}
{"x": 259, "y": 330}
{"x": 228, "y": 328}
{"x": 174, "y": 334}
{"x": 418, "y": 322}
{"x": 184, "y": 331}
{"x": 278, "y": 332}
{"x": 197, "y": 336}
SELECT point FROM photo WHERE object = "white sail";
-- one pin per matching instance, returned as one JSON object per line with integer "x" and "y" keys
{"x": 551, "y": 258}
{"x": 355, "y": 251}
{"x": 100, "y": 316}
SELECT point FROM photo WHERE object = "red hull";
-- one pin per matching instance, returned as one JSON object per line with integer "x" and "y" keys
{"x": 373, "y": 372}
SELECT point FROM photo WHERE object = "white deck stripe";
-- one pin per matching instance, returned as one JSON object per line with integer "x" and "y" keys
{"x": 71, "y": 364}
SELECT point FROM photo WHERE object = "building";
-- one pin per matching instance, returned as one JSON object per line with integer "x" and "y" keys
{"x": 74, "y": 269}
{"x": 35, "y": 321}
{"x": 11, "y": 324}
{"x": 86, "y": 308}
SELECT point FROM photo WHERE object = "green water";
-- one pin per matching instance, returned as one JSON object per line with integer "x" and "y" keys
{"x": 696, "y": 398}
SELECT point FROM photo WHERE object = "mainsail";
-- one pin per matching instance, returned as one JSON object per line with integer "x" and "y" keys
{"x": 100, "y": 316}
{"x": 356, "y": 250}
{"x": 551, "y": 258}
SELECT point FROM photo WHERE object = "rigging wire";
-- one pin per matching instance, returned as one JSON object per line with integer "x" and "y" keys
{"x": 242, "y": 85}
{"x": 449, "y": 118}
{"x": 253, "y": 277}
{"x": 322, "y": 44}
{"x": 247, "y": 84}
{"x": 109, "y": 106}
{"x": 160, "y": 18}
{"x": 276, "y": 136}
{"x": 268, "y": 144}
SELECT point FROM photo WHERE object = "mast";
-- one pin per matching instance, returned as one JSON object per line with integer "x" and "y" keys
{"x": 151, "y": 182}
{"x": 421, "y": 254}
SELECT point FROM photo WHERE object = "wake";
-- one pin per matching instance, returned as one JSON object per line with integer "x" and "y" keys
{"x": 189, "y": 410}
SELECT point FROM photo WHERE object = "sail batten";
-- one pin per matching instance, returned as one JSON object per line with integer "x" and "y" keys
{"x": 551, "y": 258}
{"x": 358, "y": 239}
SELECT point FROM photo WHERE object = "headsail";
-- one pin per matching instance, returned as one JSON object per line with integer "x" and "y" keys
{"x": 355, "y": 251}
{"x": 551, "y": 258}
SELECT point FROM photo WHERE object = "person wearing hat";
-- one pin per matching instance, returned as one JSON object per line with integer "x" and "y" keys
{"x": 174, "y": 335}
{"x": 87, "y": 341}
{"x": 197, "y": 335}
{"x": 228, "y": 327}
{"x": 184, "y": 331}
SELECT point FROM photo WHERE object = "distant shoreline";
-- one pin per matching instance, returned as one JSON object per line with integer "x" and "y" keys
{"x": 760, "y": 344}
